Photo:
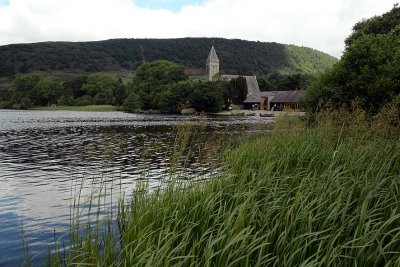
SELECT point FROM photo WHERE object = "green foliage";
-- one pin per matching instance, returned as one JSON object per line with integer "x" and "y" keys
{"x": 5, "y": 94}
{"x": 367, "y": 75}
{"x": 163, "y": 86}
{"x": 265, "y": 85}
{"x": 177, "y": 97}
{"x": 98, "y": 88}
{"x": 119, "y": 93}
{"x": 237, "y": 90}
{"x": 84, "y": 100}
{"x": 160, "y": 73}
{"x": 101, "y": 87}
{"x": 237, "y": 56}
{"x": 74, "y": 86}
{"x": 24, "y": 87}
{"x": 285, "y": 82}
{"x": 207, "y": 97}
{"x": 100, "y": 83}
{"x": 306, "y": 61}
{"x": 375, "y": 26}
{"x": 25, "y": 103}
{"x": 290, "y": 82}
{"x": 153, "y": 80}
{"x": 49, "y": 90}
{"x": 26, "y": 83}
{"x": 65, "y": 101}
{"x": 131, "y": 103}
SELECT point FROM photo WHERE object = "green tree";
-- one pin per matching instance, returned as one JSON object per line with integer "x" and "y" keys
{"x": 101, "y": 87}
{"x": 368, "y": 73}
{"x": 24, "y": 87}
{"x": 153, "y": 79}
{"x": 237, "y": 89}
{"x": 376, "y": 25}
{"x": 160, "y": 72}
{"x": 207, "y": 97}
{"x": 25, "y": 103}
{"x": 5, "y": 94}
{"x": 265, "y": 85}
{"x": 84, "y": 100}
{"x": 293, "y": 82}
{"x": 131, "y": 103}
{"x": 49, "y": 90}
{"x": 119, "y": 93}
{"x": 65, "y": 100}
{"x": 74, "y": 86}
{"x": 177, "y": 97}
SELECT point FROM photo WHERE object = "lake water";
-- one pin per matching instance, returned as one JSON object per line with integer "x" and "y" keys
{"x": 45, "y": 155}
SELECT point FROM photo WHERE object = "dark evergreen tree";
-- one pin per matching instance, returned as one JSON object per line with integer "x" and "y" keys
{"x": 237, "y": 89}
{"x": 119, "y": 93}
{"x": 131, "y": 103}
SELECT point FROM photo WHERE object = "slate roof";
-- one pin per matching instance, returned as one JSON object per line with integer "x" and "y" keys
{"x": 213, "y": 55}
{"x": 253, "y": 90}
{"x": 269, "y": 93}
{"x": 254, "y": 95}
{"x": 289, "y": 96}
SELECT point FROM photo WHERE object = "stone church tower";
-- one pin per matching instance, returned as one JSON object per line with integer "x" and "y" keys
{"x": 212, "y": 64}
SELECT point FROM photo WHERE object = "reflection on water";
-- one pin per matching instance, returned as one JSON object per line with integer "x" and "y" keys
{"x": 43, "y": 155}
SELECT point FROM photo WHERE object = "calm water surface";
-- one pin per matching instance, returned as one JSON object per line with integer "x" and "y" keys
{"x": 44, "y": 155}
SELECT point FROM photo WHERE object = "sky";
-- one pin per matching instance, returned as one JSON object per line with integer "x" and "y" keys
{"x": 319, "y": 24}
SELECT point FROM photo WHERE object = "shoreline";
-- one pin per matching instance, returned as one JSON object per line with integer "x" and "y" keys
{"x": 111, "y": 108}
{"x": 91, "y": 108}
{"x": 258, "y": 113}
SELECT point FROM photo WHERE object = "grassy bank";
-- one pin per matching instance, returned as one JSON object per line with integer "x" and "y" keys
{"x": 100, "y": 108}
{"x": 326, "y": 195}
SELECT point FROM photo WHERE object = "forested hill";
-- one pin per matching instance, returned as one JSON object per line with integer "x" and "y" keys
{"x": 236, "y": 56}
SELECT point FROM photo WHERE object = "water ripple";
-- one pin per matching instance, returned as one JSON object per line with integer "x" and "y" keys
{"x": 45, "y": 157}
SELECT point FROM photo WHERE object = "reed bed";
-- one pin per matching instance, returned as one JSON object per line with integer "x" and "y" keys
{"x": 325, "y": 195}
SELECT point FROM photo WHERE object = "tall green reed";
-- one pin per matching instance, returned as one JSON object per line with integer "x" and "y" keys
{"x": 321, "y": 196}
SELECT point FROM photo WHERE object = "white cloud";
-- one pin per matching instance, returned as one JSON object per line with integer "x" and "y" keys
{"x": 320, "y": 24}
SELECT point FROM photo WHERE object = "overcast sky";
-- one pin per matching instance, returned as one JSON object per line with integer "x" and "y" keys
{"x": 320, "y": 24}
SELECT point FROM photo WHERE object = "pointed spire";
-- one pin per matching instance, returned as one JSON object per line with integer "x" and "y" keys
{"x": 213, "y": 55}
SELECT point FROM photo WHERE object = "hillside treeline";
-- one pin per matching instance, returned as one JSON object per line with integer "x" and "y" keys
{"x": 236, "y": 56}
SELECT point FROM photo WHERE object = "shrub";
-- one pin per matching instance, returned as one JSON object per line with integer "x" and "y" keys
{"x": 84, "y": 100}
{"x": 65, "y": 101}
{"x": 131, "y": 103}
{"x": 25, "y": 103}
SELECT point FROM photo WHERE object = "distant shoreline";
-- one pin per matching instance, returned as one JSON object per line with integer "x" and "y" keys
{"x": 92, "y": 108}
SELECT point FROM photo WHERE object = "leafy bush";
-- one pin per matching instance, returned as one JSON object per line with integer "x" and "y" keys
{"x": 131, "y": 103}
{"x": 208, "y": 97}
{"x": 84, "y": 100}
{"x": 65, "y": 101}
{"x": 25, "y": 103}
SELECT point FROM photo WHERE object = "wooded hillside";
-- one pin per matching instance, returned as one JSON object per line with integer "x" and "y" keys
{"x": 236, "y": 56}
